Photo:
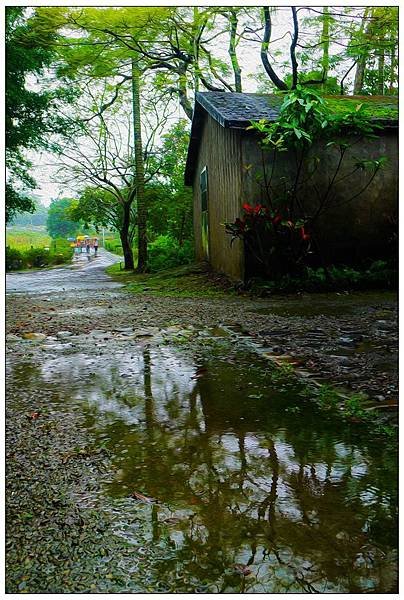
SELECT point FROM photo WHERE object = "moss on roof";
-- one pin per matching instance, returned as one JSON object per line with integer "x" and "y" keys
{"x": 378, "y": 107}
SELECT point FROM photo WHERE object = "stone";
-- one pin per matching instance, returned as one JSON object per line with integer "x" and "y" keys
{"x": 12, "y": 338}
{"x": 146, "y": 332}
{"x": 346, "y": 341}
{"x": 64, "y": 334}
{"x": 34, "y": 337}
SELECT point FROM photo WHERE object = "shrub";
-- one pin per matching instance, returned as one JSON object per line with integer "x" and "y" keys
{"x": 114, "y": 246}
{"x": 59, "y": 253}
{"x": 379, "y": 275}
{"x": 165, "y": 253}
{"x": 14, "y": 259}
{"x": 37, "y": 257}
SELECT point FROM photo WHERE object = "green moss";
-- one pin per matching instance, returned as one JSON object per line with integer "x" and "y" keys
{"x": 189, "y": 281}
{"x": 378, "y": 107}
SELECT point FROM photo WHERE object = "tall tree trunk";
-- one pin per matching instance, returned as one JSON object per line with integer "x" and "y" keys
{"x": 125, "y": 238}
{"x": 361, "y": 63}
{"x": 293, "y": 45}
{"x": 196, "y": 49}
{"x": 380, "y": 73}
{"x": 182, "y": 93}
{"x": 232, "y": 50}
{"x": 281, "y": 85}
{"x": 392, "y": 76}
{"x": 139, "y": 172}
{"x": 325, "y": 41}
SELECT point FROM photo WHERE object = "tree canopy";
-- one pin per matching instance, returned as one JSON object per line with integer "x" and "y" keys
{"x": 31, "y": 111}
{"x": 137, "y": 70}
{"x": 59, "y": 222}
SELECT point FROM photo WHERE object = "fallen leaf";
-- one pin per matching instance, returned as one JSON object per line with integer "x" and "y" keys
{"x": 142, "y": 498}
{"x": 34, "y": 415}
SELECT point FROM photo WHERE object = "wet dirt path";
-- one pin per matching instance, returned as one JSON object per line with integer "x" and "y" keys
{"x": 149, "y": 450}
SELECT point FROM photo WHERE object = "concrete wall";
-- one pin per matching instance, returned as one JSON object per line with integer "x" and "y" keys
{"x": 349, "y": 230}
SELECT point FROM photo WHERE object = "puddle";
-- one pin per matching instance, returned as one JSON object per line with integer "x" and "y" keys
{"x": 330, "y": 305}
{"x": 246, "y": 495}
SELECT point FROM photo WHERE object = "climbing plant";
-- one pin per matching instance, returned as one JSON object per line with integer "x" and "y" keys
{"x": 282, "y": 230}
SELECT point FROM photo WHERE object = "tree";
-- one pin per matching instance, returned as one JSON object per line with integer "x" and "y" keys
{"x": 110, "y": 48}
{"x": 36, "y": 218}
{"x": 31, "y": 114}
{"x": 59, "y": 222}
{"x": 170, "y": 201}
{"x": 102, "y": 157}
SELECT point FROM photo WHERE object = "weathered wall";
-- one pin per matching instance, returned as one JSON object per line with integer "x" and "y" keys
{"x": 350, "y": 230}
{"x": 220, "y": 151}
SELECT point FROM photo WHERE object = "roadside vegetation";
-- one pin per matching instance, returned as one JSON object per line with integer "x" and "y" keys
{"x": 33, "y": 248}
{"x": 379, "y": 274}
{"x": 186, "y": 281}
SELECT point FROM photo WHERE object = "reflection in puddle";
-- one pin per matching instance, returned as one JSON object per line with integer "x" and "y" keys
{"x": 246, "y": 496}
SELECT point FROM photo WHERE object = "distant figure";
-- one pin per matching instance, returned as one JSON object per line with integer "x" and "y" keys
{"x": 95, "y": 247}
{"x": 88, "y": 247}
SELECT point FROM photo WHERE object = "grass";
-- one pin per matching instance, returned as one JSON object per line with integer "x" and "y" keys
{"x": 22, "y": 238}
{"x": 189, "y": 281}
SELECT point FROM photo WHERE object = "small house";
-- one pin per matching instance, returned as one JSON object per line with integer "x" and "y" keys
{"x": 225, "y": 164}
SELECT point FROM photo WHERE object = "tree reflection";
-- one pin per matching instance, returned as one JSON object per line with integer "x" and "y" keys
{"x": 241, "y": 484}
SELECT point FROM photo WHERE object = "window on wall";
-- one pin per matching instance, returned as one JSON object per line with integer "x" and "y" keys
{"x": 204, "y": 189}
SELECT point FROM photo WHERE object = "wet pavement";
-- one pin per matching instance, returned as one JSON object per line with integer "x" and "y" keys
{"x": 87, "y": 272}
{"x": 219, "y": 475}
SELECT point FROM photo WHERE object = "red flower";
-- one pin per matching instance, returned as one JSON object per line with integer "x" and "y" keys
{"x": 248, "y": 208}
{"x": 276, "y": 219}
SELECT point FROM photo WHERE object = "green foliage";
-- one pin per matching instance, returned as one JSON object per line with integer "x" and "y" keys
{"x": 36, "y": 218}
{"x": 97, "y": 206}
{"x": 23, "y": 238}
{"x": 354, "y": 407}
{"x": 303, "y": 117}
{"x": 165, "y": 253}
{"x": 58, "y": 253}
{"x": 30, "y": 115}
{"x": 168, "y": 199}
{"x": 59, "y": 222}
{"x": 373, "y": 45}
{"x": 379, "y": 275}
{"x": 114, "y": 246}
{"x": 14, "y": 259}
{"x": 327, "y": 398}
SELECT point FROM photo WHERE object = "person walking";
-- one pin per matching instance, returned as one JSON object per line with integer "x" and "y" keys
{"x": 88, "y": 247}
{"x": 95, "y": 246}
